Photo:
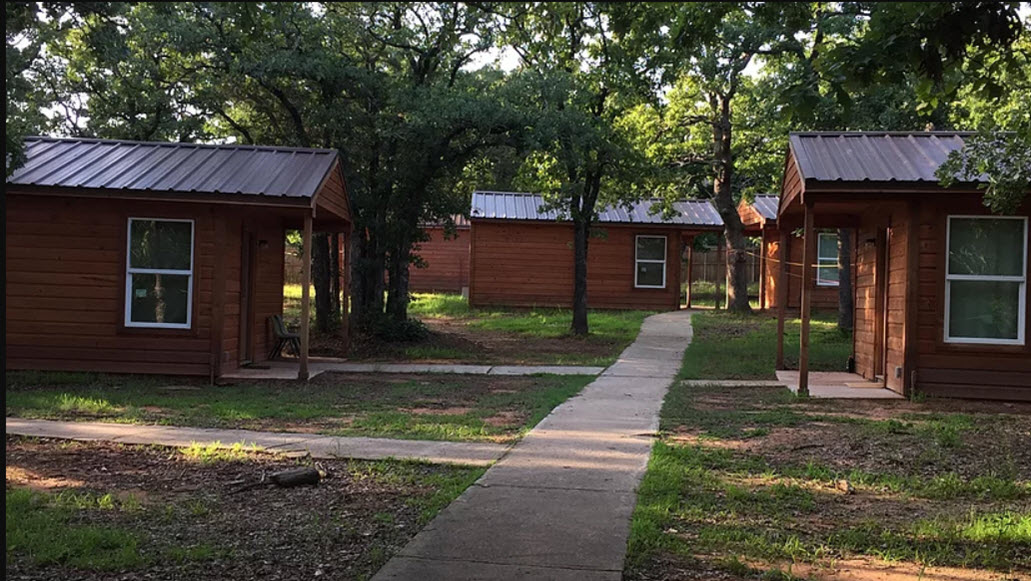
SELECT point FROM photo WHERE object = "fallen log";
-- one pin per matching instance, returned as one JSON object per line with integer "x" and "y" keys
{"x": 303, "y": 476}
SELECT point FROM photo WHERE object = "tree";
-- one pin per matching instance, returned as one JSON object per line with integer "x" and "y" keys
{"x": 386, "y": 83}
{"x": 580, "y": 81}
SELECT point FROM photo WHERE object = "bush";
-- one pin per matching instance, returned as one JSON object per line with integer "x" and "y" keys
{"x": 386, "y": 329}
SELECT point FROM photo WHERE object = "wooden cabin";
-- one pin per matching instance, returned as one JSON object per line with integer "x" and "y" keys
{"x": 522, "y": 253}
{"x": 158, "y": 257}
{"x": 941, "y": 289}
{"x": 444, "y": 259}
{"x": 760, "y": 220}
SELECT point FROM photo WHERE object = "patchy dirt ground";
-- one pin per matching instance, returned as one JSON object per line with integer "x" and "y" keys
{"x": 453, "y": 340}
{"x": 426, "y": 406}
{"x": 344, "y": 528}
{"x": 747, "y": 482}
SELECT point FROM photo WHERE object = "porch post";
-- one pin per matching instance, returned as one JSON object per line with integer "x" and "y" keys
{"x": 808, "y": 256}
{"x": 302, "y": 372}
{"x": 784, "y": 252}
{"x": 762, "y": 269}
{"x": 690, "y": 269}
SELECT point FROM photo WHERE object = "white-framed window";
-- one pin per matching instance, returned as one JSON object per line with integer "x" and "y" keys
{"x": 159, "y": 273}
{"x": 827, "y": 259}
{"x": 985, "y": 280}
{"x": 650, "y": 262}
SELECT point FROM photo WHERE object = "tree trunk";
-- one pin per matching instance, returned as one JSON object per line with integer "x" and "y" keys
{"x": 321, "y": 279}
{"x": 581, "y": 231}
{"x": 368, "y": 267}
{"x": 334, "y": 276}
{"x": 737, "y": 251}
{"x": 397, "y": 290}
{"x": 845, "y": 310}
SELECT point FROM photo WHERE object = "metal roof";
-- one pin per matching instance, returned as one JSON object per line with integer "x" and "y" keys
{"x": 860, "y": 156}
{"x": 523, "y": 206}
{"x": 173, "y": 167}
{"x": 766, "y": 205}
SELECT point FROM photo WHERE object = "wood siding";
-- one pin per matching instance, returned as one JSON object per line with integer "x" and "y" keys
{"x": 825, "y": 298}
{"x": 956, "y": 370}
{"x": 531, "y": 264}
{"x": 332, "y": 197}
{"x": 66, "y": 286}
{"x": 447, "y": 262}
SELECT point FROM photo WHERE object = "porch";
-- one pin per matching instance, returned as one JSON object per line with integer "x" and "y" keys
{"x": 837, "y": 385}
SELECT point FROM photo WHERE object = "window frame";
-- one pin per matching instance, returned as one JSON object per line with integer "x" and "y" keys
{"x": 820, "y": 261}
{"x": 949, "y": 278}
{"x": 130, "y": 270}
{"x": 638, "y": 260}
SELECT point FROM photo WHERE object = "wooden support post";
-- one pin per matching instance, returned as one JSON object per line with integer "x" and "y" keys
{"x": 302, "y": 372}
{"x": 783, "y": 252}
{"x": 762, "y": 270}
{"x": 808, "y": 256}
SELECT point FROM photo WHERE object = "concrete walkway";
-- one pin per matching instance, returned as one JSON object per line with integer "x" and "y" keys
{"x": 470, "y": 453}
{"x": 319, "y": 365}
{"x": 558, "y": 505}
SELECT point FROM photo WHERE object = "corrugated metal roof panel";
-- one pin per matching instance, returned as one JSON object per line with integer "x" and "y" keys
{"x": 766, "y": 205}
{"x": 173, "y": 167}
{"x": 523, "y": 206}
{"x": 859, "y": 156}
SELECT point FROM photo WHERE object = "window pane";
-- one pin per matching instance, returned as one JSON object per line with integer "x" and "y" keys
{"x": 649, "y": 273}
{"x": 159, "y": 298}
{"x": 158, "y": 244}
{"x": 651, "y": 248}
{"x": 828, "y": 247}
{"x": 991, "y": 246}
{"x": 828, "y": 271}
{"x": 984, "y": 309}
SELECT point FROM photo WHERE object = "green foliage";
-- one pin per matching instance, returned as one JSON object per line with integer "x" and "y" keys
{"x": 1004, "y": 159}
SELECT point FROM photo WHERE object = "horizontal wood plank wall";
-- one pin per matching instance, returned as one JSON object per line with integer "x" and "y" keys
{"x": 233, "y": 251}
{"x": 953, "y": 370}
{"x": 447, "y": 262}
{"x": 865, "y": 323}
{"x": 531, "y": 264}
{"x": 333, "y": 196}
{"x": 66, "y": 286}
{"x": 898, "y": 278}
{"x": 268, "y": 281}
{"x": 824, "y": 297}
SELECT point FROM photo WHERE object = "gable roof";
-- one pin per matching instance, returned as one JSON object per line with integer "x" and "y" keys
{"x": 105, "y": 164}
{"x": 766, "y": 205}
{"x": 525, "y": 206}
{"x": 873, "y": 156}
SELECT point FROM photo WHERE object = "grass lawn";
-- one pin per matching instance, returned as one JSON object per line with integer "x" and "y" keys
{"x": 93, "y": 510}
{"x": 435, "y": 407}
{"x": 538, "y": 336}
{"x": 748, "y": 483}
{"x": 703, "y": 294}
{"x": 500, "y": 336}
{"x": 728, "y": 346}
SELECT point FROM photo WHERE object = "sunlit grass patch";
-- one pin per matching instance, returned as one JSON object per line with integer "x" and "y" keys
{"x": 40, "y": 528}
{"x": 217, "y": 452}
{"x": 731, "y": 346}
